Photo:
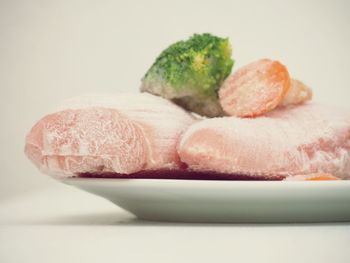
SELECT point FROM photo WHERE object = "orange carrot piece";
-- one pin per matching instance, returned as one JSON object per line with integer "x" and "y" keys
{"x": 321, "y": 177}
{"x": 298, "y": 93}
{"x": 255, "y": 89}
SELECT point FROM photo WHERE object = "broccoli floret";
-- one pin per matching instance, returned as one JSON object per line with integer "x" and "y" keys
{"x": 190, "y": 73}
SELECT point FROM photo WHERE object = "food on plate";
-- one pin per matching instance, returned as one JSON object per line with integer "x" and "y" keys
{"x": 260, "y": 87}
{"x": 191, "y": 72}
{"x": 294, "y": 140}
{"x": 178, "y": 127}
{"x": 123, "y": 134}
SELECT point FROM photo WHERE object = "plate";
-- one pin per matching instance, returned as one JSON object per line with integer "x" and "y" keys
{"x": 224, "y": 201}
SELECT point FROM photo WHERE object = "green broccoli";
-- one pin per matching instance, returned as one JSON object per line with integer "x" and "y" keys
{"x": 190, "y": 73}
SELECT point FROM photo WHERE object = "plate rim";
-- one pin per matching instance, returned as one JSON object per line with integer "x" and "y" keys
{"x": 217, "y": 183}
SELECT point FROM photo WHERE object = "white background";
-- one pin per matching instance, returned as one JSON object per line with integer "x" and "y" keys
{"x": 52, "y": 50}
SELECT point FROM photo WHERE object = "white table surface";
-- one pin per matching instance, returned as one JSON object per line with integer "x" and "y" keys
{"x": 64, "y": 224}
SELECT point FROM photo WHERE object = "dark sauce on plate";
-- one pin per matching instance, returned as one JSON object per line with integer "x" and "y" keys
{"x": 183, "y": 175}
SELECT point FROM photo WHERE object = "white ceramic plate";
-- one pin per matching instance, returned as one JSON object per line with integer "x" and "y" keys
{"x": 224, "y": 201}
